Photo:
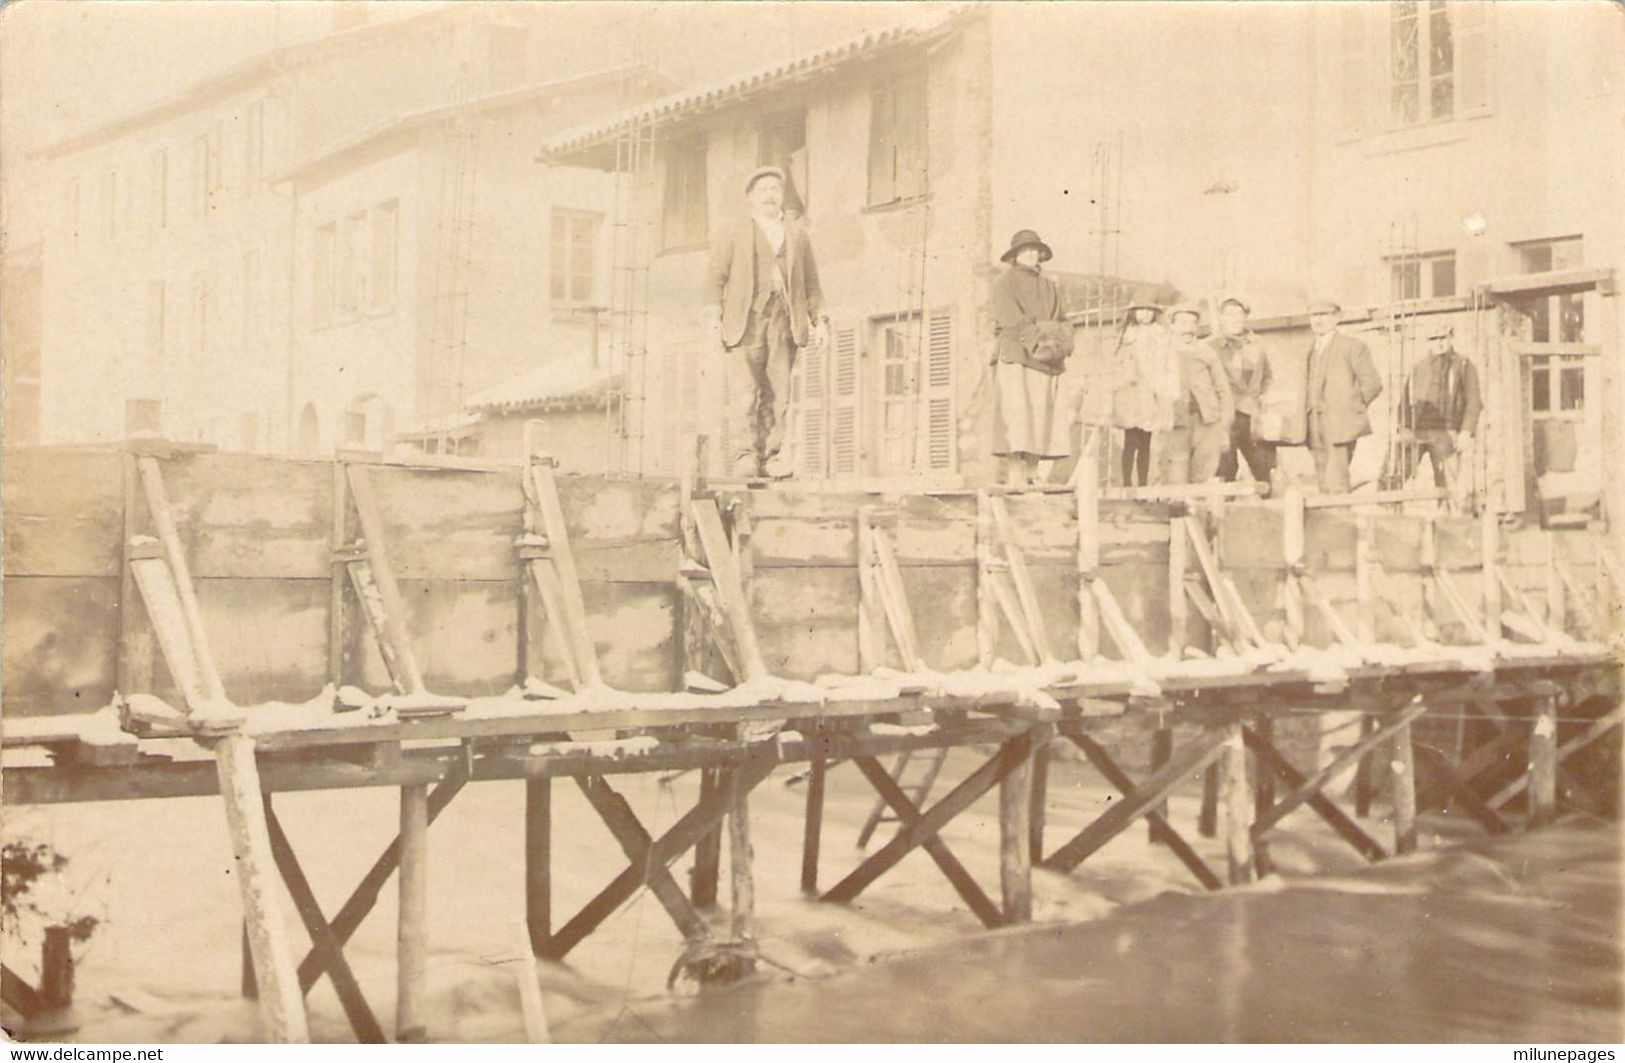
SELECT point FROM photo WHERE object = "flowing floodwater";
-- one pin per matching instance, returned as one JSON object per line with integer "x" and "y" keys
{"x": 1514, "y": 939}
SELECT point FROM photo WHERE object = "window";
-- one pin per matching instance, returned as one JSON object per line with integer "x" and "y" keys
{"x": 571, "y": 264}
{"x": 155, "y": 319}
{"x": 143, "y": 417}
{"x": 1429, "y": 276}
{"x": 683, "y": 223}
{"x": 1567, "y": 310}
{"x": 782, "y": 142}
{"x": 202, "y": 312}
{"x": 110, "y": 187}
{"x": 323, "y": 247}
{"x": 897, "y": 118}
{"x": 351, "y": 293}
{"x": 75, "y": 200}
{"x": 1438, "y": 59}
{"x": 385, "y": 229}
{"x": 250, "y": 295}
{"x": 355, "y": 428}
{"x": 160, "y": 188}
{"x": 254, "y": 144}
{"x": 202, "y": 174}
{"x": 248, "y": 431}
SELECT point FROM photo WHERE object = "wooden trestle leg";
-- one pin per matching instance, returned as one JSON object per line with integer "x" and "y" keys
{"x": 411, "y": 956}
{"x": 539, "y": 862}
{"x": 282, "y": 1005}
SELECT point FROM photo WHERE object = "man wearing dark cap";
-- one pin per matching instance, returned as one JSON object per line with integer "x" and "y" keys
{"x": 762, "y": 302}
{"x": 1441, "y": 404}
{"x": 1343, "y": 382}
{"x": 1248, "y": 369}
{"x": 1204, "y": 407}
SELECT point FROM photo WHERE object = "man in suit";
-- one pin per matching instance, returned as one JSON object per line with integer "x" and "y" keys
{"x": 762, "y": 302}
{"x": 1442, "y": 403}
{"x": 1343, "y": 382}
{"x": 1204, "y": 407}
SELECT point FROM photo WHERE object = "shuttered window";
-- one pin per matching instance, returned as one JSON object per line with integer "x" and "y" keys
{"x": 941, "y": 451}
{"x": 683, "y": 219}
{"x": 809, "y": 392}
{"x": 845, "y": 397}
{"x": 897, "y": 127}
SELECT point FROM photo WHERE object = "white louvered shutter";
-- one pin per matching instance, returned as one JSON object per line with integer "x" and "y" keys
{"x": 811, "y": 412}
{"x": 844, "y": 404}
{"x": 937, "y": 392}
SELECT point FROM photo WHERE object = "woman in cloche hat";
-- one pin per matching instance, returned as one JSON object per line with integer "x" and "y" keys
{"x": 1032, "y": 340}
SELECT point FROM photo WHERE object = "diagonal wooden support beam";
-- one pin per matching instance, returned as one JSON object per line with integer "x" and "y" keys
{"x": 365, "y": 895}
{"x": 1460, "y": 791}
{"x": 1026, "y": 593}
{"x": 391, "y": 615}
{"x": 908, "y": 815}
{"x": 1314, "y": 784}
{"x": 1601, "y": 726}
{"x": 729, "y": 587}
{"x": 542, "y": 494}
{"x": 1196, "y": 755}
{"x": 1335, "y": 817}
{"x": 635, "y": 841}
{"x": 662, "y": 852}
{"x": 1235, "y": 629}
{"x": 1119, "y": 778}
{"x": 912, "y": 835}
{"x": 163, "y": 519}
{"x": 325, "y": 944}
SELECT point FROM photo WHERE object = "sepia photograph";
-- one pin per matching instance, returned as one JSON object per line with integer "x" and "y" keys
{"x": 950, "y": 521}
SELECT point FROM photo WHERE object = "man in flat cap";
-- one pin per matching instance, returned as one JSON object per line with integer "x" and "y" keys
{"x": 1248, "y": 369}
{"x": 1343, "y": 382}
{"x": 1441, "y": 404}
{"x": 763, "y": 302}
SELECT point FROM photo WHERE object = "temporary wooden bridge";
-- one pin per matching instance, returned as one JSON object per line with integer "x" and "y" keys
{"x": 254, "y": 625}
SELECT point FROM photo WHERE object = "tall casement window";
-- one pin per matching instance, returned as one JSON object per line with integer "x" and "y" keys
{"x": 683, "y": 218}
{"x": 897, "y": 130}
{"x": 572, "y": 258}
{"x": 1411, "y": 63}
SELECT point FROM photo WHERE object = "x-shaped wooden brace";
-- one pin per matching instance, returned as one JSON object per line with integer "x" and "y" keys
{"x": 1597, "y": 729}
{"x": 328, "y": 938}
{"x": 1119, "y": 778}
{"x": 1142, "y": 800}
{"x": 1308, "y": 790}
{"x": 921, "y": 828}
{"x": 1006, "y": 584}
{"x": 650, "y": 862}
{"x": 635, "y": 842}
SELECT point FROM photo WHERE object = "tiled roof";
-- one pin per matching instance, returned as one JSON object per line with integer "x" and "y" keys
{"x": 740, "y": 86}
{"x": 569, "y": 381}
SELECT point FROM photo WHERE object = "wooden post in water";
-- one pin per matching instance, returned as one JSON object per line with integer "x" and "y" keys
{"x": 1207, "y": 819}
{"x": 1162, "y": 748}
{"x": 1543, "y": 763}
{"x": 1040, "y": 802}
{"x": 411, "y": 942}
{"x": 1402, "y": 784}
{"x": 706, "y": 873}
{"x": 282, "y": 1005}
{"x": 1362, "y": 771}
{"x": 1178, "y": 611}
{"x": 1237, "y": 810}
{"x": 742, "y": 921}
{"x": 1015, "y": 842}
{"x": 812, "y": 836}
{"x": 539, "y": 862}
{"x": 1263, "y": 792}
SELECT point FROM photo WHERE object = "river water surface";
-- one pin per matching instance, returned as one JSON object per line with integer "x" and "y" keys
{"x": 1507, "y": 940}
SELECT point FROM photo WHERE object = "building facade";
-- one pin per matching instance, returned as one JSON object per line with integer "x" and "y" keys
{"x": 1405, "y": 158}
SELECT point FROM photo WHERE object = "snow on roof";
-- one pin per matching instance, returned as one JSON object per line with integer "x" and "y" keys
{"x": 570, "y": 380}
{"x": 738, "y": 86}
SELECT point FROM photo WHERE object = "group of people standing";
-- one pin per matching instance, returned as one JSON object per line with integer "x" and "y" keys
{"x": 1209, "y": 401}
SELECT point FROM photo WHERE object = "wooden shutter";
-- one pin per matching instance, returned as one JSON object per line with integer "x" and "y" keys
{"x": 844, "y": 434}
{"x": 882, "y": 144}
{"x": 811, "y": 412}
{"x": 937, "y": 392}
{"x": 1472, "y": 28}
{"x": 1354, "y": 69}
